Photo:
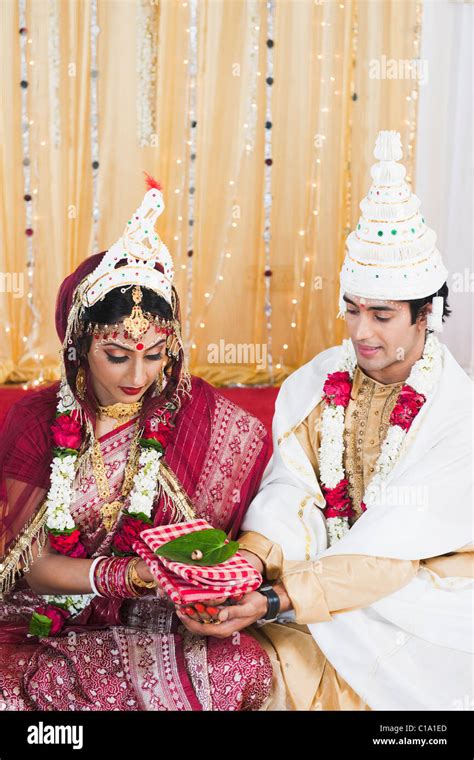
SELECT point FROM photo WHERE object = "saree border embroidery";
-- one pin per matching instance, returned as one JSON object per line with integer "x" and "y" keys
{"x": 195, "y": 655}
{"x": 151, "y": 664}
{"x": 35, "y": 528}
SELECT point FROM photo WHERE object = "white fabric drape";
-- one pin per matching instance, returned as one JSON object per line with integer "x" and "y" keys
{"x": 444, "y": 158}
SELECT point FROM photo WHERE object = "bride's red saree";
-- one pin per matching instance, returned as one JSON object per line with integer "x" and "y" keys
{"x": 125, "y": 654}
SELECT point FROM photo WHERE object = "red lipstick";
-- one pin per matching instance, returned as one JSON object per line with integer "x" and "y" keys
{"x": 131, "y": 391}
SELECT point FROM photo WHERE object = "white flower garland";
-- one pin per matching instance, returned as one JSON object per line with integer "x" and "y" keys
{"x": 145, "y": 482}
{"x": 423, "y": 378}
{"x": 61, "y": 493}
{"x": 74, "y": 603}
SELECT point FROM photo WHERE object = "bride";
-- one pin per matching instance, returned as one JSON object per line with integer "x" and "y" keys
{"x": 126, "y": 439}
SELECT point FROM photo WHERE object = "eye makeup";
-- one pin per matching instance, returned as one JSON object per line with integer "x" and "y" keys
{"x": 122, "y": 359}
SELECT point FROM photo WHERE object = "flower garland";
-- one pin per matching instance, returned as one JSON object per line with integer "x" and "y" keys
{"x": 336, "y": 394}
{"x": 64, "y": 536}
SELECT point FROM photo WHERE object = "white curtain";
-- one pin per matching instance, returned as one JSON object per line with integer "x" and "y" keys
{"x": 444, "y": 158}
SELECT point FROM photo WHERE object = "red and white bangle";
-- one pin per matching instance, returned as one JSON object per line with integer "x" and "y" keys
{"x": 112, "y": 577}
{"x": 92, "y": 570}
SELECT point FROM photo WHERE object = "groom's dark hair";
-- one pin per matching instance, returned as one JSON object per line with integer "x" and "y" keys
{"x": 417, "y": 305}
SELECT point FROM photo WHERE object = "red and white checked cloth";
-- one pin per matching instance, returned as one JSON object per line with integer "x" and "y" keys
{"x": 186, "y": 584}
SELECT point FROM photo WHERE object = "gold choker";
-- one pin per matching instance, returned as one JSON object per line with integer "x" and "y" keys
{"x": 119, "y": 411}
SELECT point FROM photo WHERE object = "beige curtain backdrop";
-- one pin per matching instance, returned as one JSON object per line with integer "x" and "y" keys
{"x": 327, "y": 107}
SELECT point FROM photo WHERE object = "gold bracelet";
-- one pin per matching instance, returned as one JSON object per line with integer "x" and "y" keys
{"x": 135, "y": 578}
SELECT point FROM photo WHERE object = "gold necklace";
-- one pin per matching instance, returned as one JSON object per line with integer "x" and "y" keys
{"x": 110, "y": 510}
{"x": 120, "y": 412}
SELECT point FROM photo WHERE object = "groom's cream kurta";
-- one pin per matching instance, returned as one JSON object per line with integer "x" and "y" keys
{"x": 327, "y": 586}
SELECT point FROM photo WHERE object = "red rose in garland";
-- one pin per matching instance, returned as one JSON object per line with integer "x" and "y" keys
{"x": 65, "y": 543}
{"x": 47, "y": 620}
{"x": 128, "y": 532}
{"x": 409, "y": 403}
{"x": 160, "y": 431}
{"x": 337, "y": 388}
{"x": 67, "y": 431}
{"x": 338, "y": 502}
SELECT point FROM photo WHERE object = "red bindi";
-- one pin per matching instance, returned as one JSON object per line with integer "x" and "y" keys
{"x": 139, "y": 346}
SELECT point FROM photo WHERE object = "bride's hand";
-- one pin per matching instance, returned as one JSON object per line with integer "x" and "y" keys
{"x": 204, "y": 611}
{"x": 146, "y": 575}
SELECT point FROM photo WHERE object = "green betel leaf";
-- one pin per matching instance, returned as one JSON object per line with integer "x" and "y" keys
{"x": 40, "y": 625}
{"x": 210, "y": 542}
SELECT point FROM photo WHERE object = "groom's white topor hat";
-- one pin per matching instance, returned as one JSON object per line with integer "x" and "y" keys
{"x": 392, "y": 254}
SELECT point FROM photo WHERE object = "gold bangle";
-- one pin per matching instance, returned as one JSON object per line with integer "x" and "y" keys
{"x": 135, "y": 578}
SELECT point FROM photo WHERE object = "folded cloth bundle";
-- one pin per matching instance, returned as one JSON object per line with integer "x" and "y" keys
{"x": 184, "y": 583}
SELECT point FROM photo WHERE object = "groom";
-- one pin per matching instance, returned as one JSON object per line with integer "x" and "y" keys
{"x": 363, "y": 522}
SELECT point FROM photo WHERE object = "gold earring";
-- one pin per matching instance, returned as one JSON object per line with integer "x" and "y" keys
{"x": 81, "y": 383}
{"x": 160, "y": 381}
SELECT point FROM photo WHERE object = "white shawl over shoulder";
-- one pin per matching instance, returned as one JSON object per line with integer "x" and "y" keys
{"x": 412, "y": 649}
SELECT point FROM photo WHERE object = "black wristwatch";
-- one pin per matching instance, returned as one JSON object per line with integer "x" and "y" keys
{"x": 273, "y": 603}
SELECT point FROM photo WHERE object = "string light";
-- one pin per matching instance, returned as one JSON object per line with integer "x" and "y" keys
{"x": 147, "y": 65}
{"x": 94, "y": 124}
{"x": 254, "y": 13}
{"x": 313, "y": 185}
{"x": 26, "y": 122}
{"x": 413, "y": 97}
{"x": 268, "y": 182}
{"x": 192, "y": 132}
{"x": 54, "y": 61}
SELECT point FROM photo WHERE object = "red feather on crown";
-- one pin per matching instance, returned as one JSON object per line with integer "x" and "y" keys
{"x": 152, "y": 182}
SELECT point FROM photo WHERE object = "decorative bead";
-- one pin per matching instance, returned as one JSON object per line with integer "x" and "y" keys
{"x": 268, "y": 125}
{"x": 23, "y": 30}
{"x": 190, "y": 253}
{"x": 268, "y": 161}
{"x": 354, "y": 96}
{"x": 269, "y": 80}
{"x": 380, "y": 233}
{"x": 29, "y": 232}
{"x": 270, "y": 43}
{"x": 394, "y": 232}
{"x": 24, "y": 84}
{"x": 268, "y": 272}
{"x": 192, "y": 157}
{"x": 95, "y": 164}
{"x": 27, "y": 197}
{"x": 191, "y": 190}
{"x": 194, "y": 124}
{"x": 26, "y": 162}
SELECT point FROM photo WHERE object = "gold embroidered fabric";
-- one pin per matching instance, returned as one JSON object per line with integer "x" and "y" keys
{"x": 366, "y": 424}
